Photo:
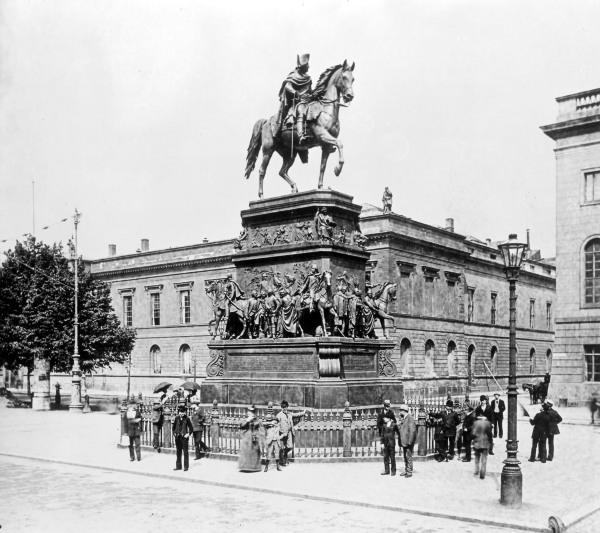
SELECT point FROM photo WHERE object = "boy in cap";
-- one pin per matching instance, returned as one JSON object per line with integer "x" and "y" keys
{"x": 408, "y": 435}
{"x": 272, "y": 441}
{"x": 182, "y": 427}
{"x": 388, "y": 444}
{"x": 134, "y": 430}
{"x": 157, "y": 422}
{"x": 198, "y": 420}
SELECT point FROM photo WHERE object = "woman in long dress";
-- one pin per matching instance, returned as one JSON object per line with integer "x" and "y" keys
{"x": 252, "y": 443}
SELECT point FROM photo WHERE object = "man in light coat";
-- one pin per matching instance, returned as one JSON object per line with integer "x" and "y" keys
{"x": 482, "y": 438}
{"x": 287, "y": 421}
{"x": 408, "y": 436}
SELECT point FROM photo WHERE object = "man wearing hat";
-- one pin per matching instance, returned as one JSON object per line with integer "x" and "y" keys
{"x": 296, "y": 89}
{"x": 555, "y": 419}
{"x": 157, "y": 423}
{"x": 468, "y": 423}
{"x": 449, "y": 420}
{"x": 182, "y": 427}
{"x": 389, "y": 430}
{"x": 498, "y": 409}
{"x": 198, "y": 420}
{"x": 287, "y": 421}
{"x": 486, "y": 410}
{"x": 482, "y": 439}
{"x": 134, "y": 429}
{"x": 387, "y": 411}
{"x": 541, "y": 429}
{"x": 272, "y": 442}
{"x": 408, "y": 436}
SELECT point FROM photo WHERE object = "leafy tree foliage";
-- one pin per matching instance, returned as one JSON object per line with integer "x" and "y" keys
{"x": 37, "y": 288}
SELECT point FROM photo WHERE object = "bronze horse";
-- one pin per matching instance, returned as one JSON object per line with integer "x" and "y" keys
{"x": 334, "y": 85}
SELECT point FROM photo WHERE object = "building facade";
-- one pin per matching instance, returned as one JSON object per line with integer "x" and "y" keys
{"x": 577, "y": 346}
{"x": 450, "y": 315}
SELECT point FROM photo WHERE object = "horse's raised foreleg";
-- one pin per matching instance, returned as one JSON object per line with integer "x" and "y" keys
{"x": 329, "y": 142}
{"x": 288, "y": 161}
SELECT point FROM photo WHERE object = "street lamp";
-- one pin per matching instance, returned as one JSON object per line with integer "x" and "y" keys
{"x": 76, "y": 406}
{"x": 511, "y": 484}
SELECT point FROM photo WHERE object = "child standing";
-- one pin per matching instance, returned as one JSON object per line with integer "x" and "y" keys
{"x": 273, "y": 446}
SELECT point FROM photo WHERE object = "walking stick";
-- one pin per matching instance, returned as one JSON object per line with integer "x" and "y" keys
{"x": 501, "y": 390}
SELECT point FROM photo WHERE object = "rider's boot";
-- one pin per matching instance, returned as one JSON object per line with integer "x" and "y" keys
{"x": 300, "y": 128}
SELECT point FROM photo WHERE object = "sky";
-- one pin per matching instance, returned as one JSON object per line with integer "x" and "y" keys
{"x": 138, "y": 113}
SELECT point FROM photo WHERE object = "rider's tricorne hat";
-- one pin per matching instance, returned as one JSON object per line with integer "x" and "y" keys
{"x": 303, "y": 59}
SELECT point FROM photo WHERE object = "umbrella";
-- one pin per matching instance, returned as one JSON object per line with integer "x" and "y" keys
{"x": 190, "y": 385}
{"x": 162, "y": 387}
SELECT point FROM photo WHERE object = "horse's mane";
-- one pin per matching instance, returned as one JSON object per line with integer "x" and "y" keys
{"x": 324, "y": 78}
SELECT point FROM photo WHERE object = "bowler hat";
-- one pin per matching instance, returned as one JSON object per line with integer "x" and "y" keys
{"x": 284, "y": 403}
{"x": 449, "y": 403}
{"x": 549, "y": 403}
{"x": 181, "y": 408}
{"x": 483, "y": 398}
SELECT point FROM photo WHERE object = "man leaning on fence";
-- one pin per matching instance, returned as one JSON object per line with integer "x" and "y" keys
{"x": 182, "y": 427}
{"x": 287, "y": 421}
{"x": 408, "y": 435}
{"x": 198, "y": 421}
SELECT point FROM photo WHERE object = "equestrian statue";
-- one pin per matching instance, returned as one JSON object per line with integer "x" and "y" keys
{"x": 306, "y": 119}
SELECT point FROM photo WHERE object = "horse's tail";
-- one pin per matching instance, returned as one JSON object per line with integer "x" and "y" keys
{"x": 254, "y": 146}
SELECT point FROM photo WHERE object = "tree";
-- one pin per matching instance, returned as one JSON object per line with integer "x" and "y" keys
{"x": 37, "y": 289}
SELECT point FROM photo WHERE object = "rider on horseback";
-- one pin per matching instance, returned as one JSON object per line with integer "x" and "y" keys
{"x": 311, "y": 285}
{"x": 232, "y": 292}
{"x": 296, "y": 89}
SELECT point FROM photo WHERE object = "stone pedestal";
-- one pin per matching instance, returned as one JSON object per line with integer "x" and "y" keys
{"x": 283, "y": 238}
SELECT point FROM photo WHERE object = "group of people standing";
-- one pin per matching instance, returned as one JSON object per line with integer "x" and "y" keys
{"x": 406, "y": 429}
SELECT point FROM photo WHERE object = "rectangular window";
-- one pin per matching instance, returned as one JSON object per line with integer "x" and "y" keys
{"x": 184, "y": 307}
{"x": 470, "y": 304}
{"x": 549, "y": 315}
{"x": 531, "y": 314}
{"x": 155, "y": 309}
{"x": 592, "y": 186}
{"x": 592, "y": 362}
{"x": 493, "y": 309}
{"x": 128, "y": 311}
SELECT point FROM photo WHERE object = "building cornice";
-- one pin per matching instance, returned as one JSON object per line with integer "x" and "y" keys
{"x": 137, "y": 269}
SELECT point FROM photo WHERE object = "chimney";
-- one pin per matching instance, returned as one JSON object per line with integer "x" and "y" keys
{"x": 528, "y": 250}
{"x": 112, "y": 250}
{"x": 205, "y": 240}
{"x": 145, "y": 245}
{"x": 488, "y": 242}
{"x": 450, "y": 224}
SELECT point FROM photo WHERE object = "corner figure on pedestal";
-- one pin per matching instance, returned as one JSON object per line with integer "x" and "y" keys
{"x": 387, "y": 201}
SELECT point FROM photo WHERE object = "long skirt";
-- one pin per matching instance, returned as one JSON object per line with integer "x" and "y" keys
{"x": 250, "y": 453}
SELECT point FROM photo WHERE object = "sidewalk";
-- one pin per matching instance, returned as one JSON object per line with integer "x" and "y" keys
{"x": 566, "y": 487}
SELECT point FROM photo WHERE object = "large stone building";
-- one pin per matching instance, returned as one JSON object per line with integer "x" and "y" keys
{"x": 577, "y": 349}
{"x": 451, "y": 312}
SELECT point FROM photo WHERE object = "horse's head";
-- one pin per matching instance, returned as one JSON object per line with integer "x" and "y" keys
{"x": 345, "y": 81}
{"x": 392, "y": 291}
{"x": 326, "y": 278}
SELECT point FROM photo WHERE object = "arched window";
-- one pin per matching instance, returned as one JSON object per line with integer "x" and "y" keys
{"x": 494, "y": 360}
{"x": 451, "y": 358}
{"x": 405, "y": 346}
{"x": 470, "y": 361}
{"x": 185, "y": 357}
{"x": 155, "y": 360}
{"x": 592, "y": 272}
{"x": 429, "y": 358}
{"x": 532, "y": 361}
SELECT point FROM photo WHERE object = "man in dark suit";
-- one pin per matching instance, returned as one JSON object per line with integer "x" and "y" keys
{"x": 484, "y": 409}
{"x": 467, "y": 429}
{"x": 498, "y": 409}
{"x": 541, "y": 429}
{"x": 555, "y": 419}
{"x": 182, "y": 428}
{"x": 134, "y": 429}
{"x": 448, "y": 419}
{"x": 387, "y": 411}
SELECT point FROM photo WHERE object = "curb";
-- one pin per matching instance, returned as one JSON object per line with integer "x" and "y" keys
{"x": 504, "y": 525}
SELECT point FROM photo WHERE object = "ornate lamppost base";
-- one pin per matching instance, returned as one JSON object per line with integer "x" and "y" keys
{"x": 511, "y": 487}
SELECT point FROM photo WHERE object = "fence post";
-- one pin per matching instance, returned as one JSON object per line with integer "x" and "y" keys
{"x": 167, "y": 426}
{"x": 422, "y": 430}
{"x": 57, "y": 396}
{"x": 123, "y": 420}
{"x": 347, "y": 435}
{"x": 215, "y": 429}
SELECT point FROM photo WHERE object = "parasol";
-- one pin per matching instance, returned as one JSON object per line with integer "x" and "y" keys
{"x": 161, "y": 387}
